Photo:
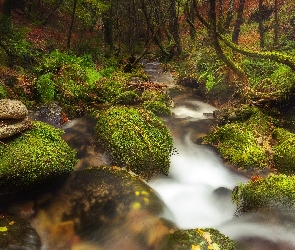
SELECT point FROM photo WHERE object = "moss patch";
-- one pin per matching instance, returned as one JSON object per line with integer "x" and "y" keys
{"x": 245, "y": 140}
{"x": 284, "y": 157}
{"x": 276, "y": 192}
{"x": 34, "y": 158}
{"x": 201, "y": 239}
{"x": 135, "y": 138}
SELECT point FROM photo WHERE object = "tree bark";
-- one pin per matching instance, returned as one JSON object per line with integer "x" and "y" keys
{"x": 71, "y": 24}
{"x": 238, "y": 23}
{"x": 214, "y": 38}
{"x": 229, "y": 15}
{"x": 190, "y": 18}
{"x": 276, "y": 24}
{"x": 260, "y": 23}
{"x": 174, "y": 27}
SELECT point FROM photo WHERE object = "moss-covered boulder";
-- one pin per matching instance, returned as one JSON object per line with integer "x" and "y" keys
{"x": 276, "y": 192}
{"x": 107, "y": 208}
{"x": 246, "y": 138}
{"x": 136, "y": 139}
{"x": 16, "y": 233}
{"x": 156, "y": 101}
{"x": 200, "y": 239}
{"x": 35, "y": 158}
{"x": 284, "y": 151}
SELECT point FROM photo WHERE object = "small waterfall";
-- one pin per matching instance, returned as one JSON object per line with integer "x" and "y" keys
{"x": 199, "y": 186}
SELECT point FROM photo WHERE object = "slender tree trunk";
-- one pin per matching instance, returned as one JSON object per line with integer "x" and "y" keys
{"x": 152, "y": 29}
{"x": 276, "y": 25}
{"x": 190, "y": 18}
{"x": 72, "y": 24}
{"x": 174, "y": 27}
{"x": 220, "y": 16}
{"x": 108, "y": 31}
{"x": 52, "y": 11}
{"x": 260, "y": 23}
{"x": 238, "y": 23}
{"x": 229, "y": 15}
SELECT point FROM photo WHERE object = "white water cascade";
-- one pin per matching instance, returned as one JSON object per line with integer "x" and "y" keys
{"x": 195, "y": 173}
{"x": 198, "y": 190}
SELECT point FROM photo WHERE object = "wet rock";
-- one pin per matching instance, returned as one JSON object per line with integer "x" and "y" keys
{"x": 12, "y": 109}
{"x": 16, "y": 233}
{"x": 10, "y": 127}
{"x": 103, "y": 208}
{"x": 13, "y": 118}
{"x": 50, "y": 113}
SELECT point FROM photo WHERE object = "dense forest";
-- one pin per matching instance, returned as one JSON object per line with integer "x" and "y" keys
{"x": 88, "y": 56}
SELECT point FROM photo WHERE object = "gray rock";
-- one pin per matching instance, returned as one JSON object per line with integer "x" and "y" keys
{"x": 12, "y": 109}
{"x": 10, "y": 127}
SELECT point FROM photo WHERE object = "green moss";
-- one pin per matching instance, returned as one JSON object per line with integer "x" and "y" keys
{"x": 33, "y": 158}
{"x": 203, "y": 239}
{"x": 136, "y": 139}
{"x": 245, "y": 141}
{"x": 237, "y": 143}
{"x": 284, "y": 157}
{"x": 127, "y": 97}
{"x": 157, "y": 107}
{"x": 155, "y": 95}
{"x": 270, "y": 194}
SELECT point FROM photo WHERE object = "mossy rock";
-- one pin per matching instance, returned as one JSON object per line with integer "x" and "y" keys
{"x": 246, "y": 140}
{"x": 157, "y": 107}
{"x": 16, "y": 233}
{"x": 276, "y": 192}
{"x": 284, "y": 157}
{"x": 102, "y": 203}
{"x": 136, "y": 139}
{"x": 33, "y": 159}
{"x": 201, "y": 239}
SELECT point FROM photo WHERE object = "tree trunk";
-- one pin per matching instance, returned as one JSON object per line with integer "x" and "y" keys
{"x": 190, "y": 18}
{"x": 174, "y": 27}
{"x": 52, "y": 11}
{"x": 152, "y": 29}
{"x": 214, "y": 38}
{"x": 72, "y": 24}
{"x": 238, "y": 23}
{"x": 276, "y": 25}
{"x": 229, "y": 15}
{"x": 260, "y": 23}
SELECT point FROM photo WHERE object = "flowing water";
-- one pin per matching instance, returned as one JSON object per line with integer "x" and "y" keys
{"x": 198, "y": 189}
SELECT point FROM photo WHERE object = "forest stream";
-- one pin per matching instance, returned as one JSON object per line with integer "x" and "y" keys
{"x": 197, "y": 192}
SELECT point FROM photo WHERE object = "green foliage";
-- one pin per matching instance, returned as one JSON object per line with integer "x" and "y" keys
{"x": 276, "y": 192}
{"x": 45, "y": 87}
{"x": 158, "y": 108}
{"x": 284, "y": 156}
{"x": 135, "y": 138}
{"x": 3, "y": 92}
{"x": 127, "y": 97}
{"x": 202, "y": 239}
{"x": 244, "y": 141}
{"x": 33, "y": 158}
{"x": 156, "y": 101}
{"x": 19, "y": 50}
{"x": 268, "y": 78}
{"x": 155, "y": 95}
{"x": 73, "y": 79}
